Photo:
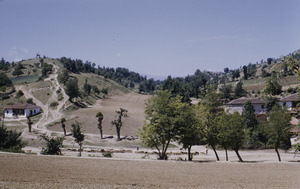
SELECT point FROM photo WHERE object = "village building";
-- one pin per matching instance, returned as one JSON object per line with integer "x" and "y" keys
{"x": 21, "y": 110}
{"x": 290, "y": 102}
{"x": 237, "y": 105}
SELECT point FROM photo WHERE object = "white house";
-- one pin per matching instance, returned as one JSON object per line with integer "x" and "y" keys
{"x": 290, "y": 101}
{"x": 237, "y": 105}
{"x": 21, "y": 110}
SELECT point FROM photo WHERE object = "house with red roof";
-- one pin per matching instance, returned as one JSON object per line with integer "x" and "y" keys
{"x": 21, "y": 110}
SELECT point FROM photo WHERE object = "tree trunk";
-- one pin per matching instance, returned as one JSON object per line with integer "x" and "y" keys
{"x": 101, "y": 134}
{"x": 278, "y": 155}
{"x": 118, "y": 133}
{"x": 80, "y": 148}
{"x": 65, "y": 133}
{"x": 190, "y": 156}
{"x": 226, "y": 154}
{"x": 214, "y": 149}
{"x": 238, "y": 155}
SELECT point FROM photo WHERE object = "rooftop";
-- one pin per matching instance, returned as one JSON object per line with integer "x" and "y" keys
{"x": 242, "y": 100}
{"x": 290, "y": 98}
{"x": 22, "y": 106}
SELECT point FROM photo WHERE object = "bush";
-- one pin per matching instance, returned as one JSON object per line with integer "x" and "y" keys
{"x": 29, "y": 101}
{"x": 10, "y": 140}
{"x": 107, "y": 154}
{"x": 53, "y": 145}
{"x": 53, "y": 104}
{"x": 19, "y": 94}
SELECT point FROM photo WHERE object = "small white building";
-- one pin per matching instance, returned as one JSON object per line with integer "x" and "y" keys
{"x": 21, "y": 110}
{"x": 290, "y": 101}
{"x": 237, "y": 105}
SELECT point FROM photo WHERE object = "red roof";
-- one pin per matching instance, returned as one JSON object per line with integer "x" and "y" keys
{"x": 22, "y": 106}
{"x": 241, "y": 101}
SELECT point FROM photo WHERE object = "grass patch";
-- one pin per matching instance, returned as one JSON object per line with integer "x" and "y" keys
{"x": 25, "y": 79}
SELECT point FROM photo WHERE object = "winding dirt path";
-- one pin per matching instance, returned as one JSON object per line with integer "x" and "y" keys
{"x": 48, "y": 115}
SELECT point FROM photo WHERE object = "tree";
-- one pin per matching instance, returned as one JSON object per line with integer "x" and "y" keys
{"x": 272, "y": 85}
{"x": 53, "y": 145}
{"x": 63, "y": 76}
{"x": 207, "y": 112}
{"x": 4, "y": 80}
{"x": 226, "y": 70}
{"x": 269, "y": 60}
{"x": 87, "y": 87}
{"x": 118, "y": 122}
{"x": 250, "y": 122}
{"x": 72, "y": 89}
{"x": 161, "y": 124}
{"x": 237, "y": 134}
{"x": 78, "y": 135}
{"x": 62, "y": 121}
{"x": 245, "y": 71}
{"x": 10, "y": 140}
{"x": 238, "y": 90}
{"x": 100, "y": 116}
{"x": 29, "y": 122}
{"x": 191, "y": 131}
{"x": 279, "y": 129}
{"x": 226, "y": 90}
{"x": 223, "y": 124}
{"x": 271, "y": 102}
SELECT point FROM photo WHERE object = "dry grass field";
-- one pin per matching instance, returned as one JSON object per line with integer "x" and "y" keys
{"x": 133, "y": 102}
{"x": 27, "y": 171}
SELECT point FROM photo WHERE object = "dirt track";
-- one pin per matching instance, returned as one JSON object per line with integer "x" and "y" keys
{"x": 24, "y": 171}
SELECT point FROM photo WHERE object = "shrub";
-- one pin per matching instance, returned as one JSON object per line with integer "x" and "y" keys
{"x": 53, "y": 145}
{"x": 53, "y": 104}
{"x": 107, "y": 154}
{"x": 10, "y": 140}
{"x": 29, "y": 101}
{"x": 19, "y": 94}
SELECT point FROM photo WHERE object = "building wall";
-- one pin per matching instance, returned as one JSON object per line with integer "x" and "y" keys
{"x": 9, "y": 112}
{"x": 238, "y": 108}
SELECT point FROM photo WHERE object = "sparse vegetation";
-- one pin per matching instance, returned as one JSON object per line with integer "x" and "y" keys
{"x": 10, "y": 140}
{"x": 53, "y": 145}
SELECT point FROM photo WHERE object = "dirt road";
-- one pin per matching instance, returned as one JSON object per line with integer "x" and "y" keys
{"x": 25, "y": 171}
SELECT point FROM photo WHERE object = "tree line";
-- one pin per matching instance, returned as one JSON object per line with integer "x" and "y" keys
{"x": 168, "y": 119}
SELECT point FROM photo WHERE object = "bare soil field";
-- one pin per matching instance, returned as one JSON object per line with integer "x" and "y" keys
{"x": 28, "y": 171}
{"x": 133, "y": 102}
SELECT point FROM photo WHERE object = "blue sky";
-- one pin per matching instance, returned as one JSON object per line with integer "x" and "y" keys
{"x": 156, "y": 37}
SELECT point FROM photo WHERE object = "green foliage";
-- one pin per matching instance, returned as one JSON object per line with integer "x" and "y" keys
{"x": 245, "y": 71}
{"x": 54, "y": 104}
{"x": 53, "y": 145}
{"x": 272, "y": 85}
{"x": 10, "y": 140}
{"x": 72, "y": 89}
{"x": 162, "y": 121}
{"x": 104, "y": 91}
{"x": 87, "y": 87}
{"x": 4, "y": 80}
{"x": 19, "y": 94}
{"x": 118, "y": 123}
{"x": 63, "y": 76}
{"x": 279, "y": 126}
{"x": 249, "y": 118}
{"x": 100, "y": 117}
{"x": 29, "y": 101}
{"x": 46, "y": 68}
{"x": 238, "y": 90}
{"x": 18, "y": 70}
{"x": 107, "y": 154}
{"x": 78, "y": 135}
{"x": 226, "y": 90}
{"x": 271, "y": 102}
{"x": 4, "y": 65}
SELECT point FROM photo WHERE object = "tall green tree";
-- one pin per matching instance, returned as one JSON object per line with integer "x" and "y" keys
{"x": 10, "y": 140}
{"x": 118, "y": 123}
{"x": 279, "y": 126}
{"x": 191, "y": 131}
{"x": 238, "y": 90}
{"x": 100, "y": 117}
{"x": 29, "y": 122}
{"x": 78, "y": 135}
{"x": 237, "y": 134}
{"x": 223, "y": 124}
{"x": 272, "y": 85}
{"x": 251, "y": 123}
{"x": 72, "y": 89}
{"x": 161, "y": 124}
